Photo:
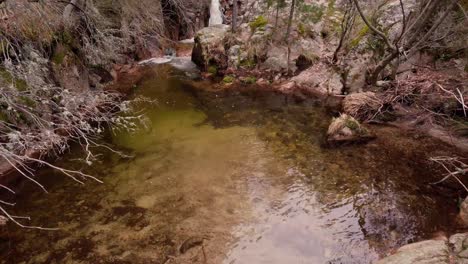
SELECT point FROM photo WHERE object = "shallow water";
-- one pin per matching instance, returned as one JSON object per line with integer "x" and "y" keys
{"x": 239, "y": 176}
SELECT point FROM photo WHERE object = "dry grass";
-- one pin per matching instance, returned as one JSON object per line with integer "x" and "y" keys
{"x": 363, "y": 106}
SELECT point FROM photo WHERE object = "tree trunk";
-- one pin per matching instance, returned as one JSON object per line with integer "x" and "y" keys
{"x": 277, "y": 15}
{"x": 234, "y": 15}
{"x": 291, "y": 15}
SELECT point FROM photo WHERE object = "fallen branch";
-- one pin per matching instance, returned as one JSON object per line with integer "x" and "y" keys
{"x": 454, "y": 167}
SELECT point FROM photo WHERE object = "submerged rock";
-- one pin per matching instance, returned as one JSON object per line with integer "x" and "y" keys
{"x": 209, "y": 49}
{"x": 346, "y": 129}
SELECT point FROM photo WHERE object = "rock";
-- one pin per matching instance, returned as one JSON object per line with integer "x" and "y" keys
{"x": 356, "y": 76}
{"x": 363, "y": 106}
{"x": 346, "y": 129}
{"x": 162, "y": 60}
{"x": 320, "y": 79}
{"x": 457, "y": 241}
{"x": 464, "y": 211}
{"x": 427, "y": 252}
{"x": 275, "y": 64}
{"x": 459, "y": 245}
{"x": 287, "y": 87}
{"x": 209, "y": 47}
{"x": 303, "y": 62}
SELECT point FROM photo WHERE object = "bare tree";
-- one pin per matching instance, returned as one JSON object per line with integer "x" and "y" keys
{"x": 413, "y": 33}
{"x": 347, "y": 24}
{"x": 290, "y": 19}
{"x": 235, "y": 10}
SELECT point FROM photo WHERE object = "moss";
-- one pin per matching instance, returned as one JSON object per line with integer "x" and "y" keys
{"x": 259, "y": 22}
{"x": 27, "y": 101}
{"x": 58, "y": 57}
{"x": 19, "y": 84}
{"x": 3, "y": 116}
{"x": 352, "y": 124}
{"x": 228, "y": 79}
{"x": 301, "y": 29}
{"x": 361, "y": 34}
{"x": 250, "y": 80}
{"x": 249, "y": 63}
{"x": 212, "y": 69}
{"x": 466, "y": 67}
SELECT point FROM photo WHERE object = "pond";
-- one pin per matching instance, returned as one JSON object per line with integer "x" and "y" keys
{"x": 237, "y": 175}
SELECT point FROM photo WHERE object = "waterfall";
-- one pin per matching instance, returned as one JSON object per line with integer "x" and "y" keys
{"x": 215, "y": 13}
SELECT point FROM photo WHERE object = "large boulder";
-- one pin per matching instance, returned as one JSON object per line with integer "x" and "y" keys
{"x": 320, "y": 79}
{"x": 346, "y": 129}
{"x": 209, "y": 48}
{"x": 425, "y": 252}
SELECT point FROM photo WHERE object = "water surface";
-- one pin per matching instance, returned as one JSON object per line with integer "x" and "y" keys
{"x": 236, "y": 176}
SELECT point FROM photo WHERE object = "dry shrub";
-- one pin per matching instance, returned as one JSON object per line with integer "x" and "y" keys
{"x": 362, "y": 106}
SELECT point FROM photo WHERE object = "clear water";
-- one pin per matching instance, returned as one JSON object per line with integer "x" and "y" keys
{"x": 244, "y": 175}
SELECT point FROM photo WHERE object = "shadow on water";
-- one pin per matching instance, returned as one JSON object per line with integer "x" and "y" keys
{"x": 234, "y": 176}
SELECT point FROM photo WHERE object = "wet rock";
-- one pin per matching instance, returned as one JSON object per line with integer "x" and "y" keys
{"x": 209, "y": 47}
{"x": 287, "y": 87}
{"x": 427, "y": 252}
{"x": 320, "y": 79}
{"x": 346, "y": 129}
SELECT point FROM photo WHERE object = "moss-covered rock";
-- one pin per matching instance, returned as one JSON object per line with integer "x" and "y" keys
{"x": 249, "y": 80}
{"x": 228, "y": 79}
{"x": 346, "y": 129}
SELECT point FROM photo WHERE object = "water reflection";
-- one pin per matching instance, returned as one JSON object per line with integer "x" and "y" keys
{"x": 243, "y": 171}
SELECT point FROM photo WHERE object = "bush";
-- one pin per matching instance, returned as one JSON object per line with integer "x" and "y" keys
{"x": 228, "y": 79}
{"x": 259, "y": 22}
{"x": 212, "y": 69}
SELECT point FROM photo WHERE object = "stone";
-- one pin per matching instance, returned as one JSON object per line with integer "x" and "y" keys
{"x": 209, "y": 47}
{"x": 320, "y": 79}
{"x": 425, "y": 252}
{"x": 458, "y": 243}
{"x": 303, "y": 62}
{"x": 287, "y": 87}
{"x": 346, "y": 129}
{"x": 464, "y": 211}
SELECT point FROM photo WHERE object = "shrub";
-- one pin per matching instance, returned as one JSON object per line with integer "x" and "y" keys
{"x": 228, "y": 79}
{"x": 259, "y": 22}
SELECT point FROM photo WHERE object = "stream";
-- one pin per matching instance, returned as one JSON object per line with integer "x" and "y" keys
{"x": 235, "y": 176}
